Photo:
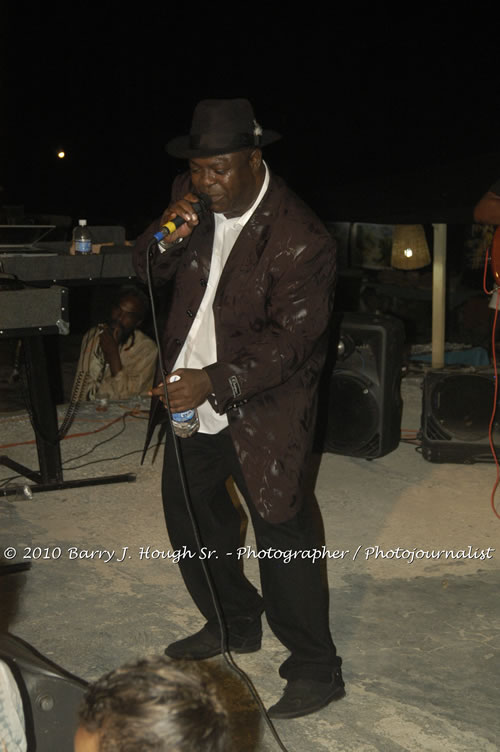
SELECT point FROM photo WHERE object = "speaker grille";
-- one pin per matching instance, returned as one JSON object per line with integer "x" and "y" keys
{"x": 456, "y": 413}
{"x": 363, "y": 392}
{"x": 435, "y": 430}
{"x": 354, "y": 415}
{"x": 462, "y": 406}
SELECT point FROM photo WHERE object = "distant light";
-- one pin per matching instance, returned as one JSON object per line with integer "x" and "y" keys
{"x": 61, "y": 154}
{"x": 408, "y": 252}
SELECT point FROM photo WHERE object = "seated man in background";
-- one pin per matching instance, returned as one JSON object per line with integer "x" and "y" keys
{"x": 117, "y": 360}
{"x": 155, "y": 704}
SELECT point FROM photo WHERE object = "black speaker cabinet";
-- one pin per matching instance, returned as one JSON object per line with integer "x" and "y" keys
{"x": 34, "y": 311}
{"x": 365, "y": 405}
{"x": 456, "y": 411}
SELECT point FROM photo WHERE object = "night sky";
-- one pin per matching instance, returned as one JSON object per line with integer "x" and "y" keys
{"x": 356, "y": 94}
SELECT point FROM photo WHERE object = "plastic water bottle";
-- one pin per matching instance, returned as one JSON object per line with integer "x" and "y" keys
{"x": 82, "y": 237}
{"x": 186, "y": 423}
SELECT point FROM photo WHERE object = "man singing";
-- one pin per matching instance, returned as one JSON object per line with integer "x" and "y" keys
{"x": 246, "y": 333}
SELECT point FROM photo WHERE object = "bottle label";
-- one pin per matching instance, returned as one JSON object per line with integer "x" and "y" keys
{"x": 83, "y": 246}
{"x": 184, "y": 417}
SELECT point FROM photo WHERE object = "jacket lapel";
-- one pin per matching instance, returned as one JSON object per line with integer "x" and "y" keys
{"x": 252, "y": 240}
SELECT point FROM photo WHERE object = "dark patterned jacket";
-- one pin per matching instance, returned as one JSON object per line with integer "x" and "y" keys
{"x": 271, "y": 309}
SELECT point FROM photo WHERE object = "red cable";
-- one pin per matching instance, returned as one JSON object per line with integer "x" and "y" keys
{"x": 495, "y": 395}
{"x": 130, "y": 413}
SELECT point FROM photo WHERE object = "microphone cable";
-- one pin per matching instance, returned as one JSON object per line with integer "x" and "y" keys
{"x": 185, "y": 490}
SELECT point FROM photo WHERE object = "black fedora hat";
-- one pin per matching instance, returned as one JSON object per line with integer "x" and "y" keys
{"x": 221, "y": 126}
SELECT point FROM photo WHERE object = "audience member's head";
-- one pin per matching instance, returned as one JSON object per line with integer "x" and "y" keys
{"x": 155, "y": 705}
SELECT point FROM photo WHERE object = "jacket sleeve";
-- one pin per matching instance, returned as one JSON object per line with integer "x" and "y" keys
{"x": 164, "y": 263}
{"x": 298, "y": 314}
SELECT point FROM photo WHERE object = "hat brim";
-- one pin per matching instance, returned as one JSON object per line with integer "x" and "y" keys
{"x": 181, "y": 148}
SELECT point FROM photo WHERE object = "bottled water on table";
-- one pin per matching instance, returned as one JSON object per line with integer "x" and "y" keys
{"x": 82, "y": 237}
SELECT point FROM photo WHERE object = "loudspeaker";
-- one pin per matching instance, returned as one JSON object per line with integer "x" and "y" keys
{"x": 51, "y": 696}
{"x": 364, "y": 404}
{"x": 456, "y": 411}
{"x": 34, "y": 311}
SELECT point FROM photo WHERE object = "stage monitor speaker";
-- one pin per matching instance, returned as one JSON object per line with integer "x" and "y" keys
{"x": 364, "y": 404}
{"x": 456, "y": 411}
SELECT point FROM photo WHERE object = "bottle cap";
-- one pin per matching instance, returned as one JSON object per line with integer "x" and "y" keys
{"x": 82, "y": 222}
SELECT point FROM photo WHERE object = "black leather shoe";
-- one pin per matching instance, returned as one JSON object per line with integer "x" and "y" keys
{"x": 304, "y": 696}
{"x": 204, "y": 644}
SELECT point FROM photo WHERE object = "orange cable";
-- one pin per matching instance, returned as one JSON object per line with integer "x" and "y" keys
{"x": 493, "y": 412}
{"x": 495, "y": 372}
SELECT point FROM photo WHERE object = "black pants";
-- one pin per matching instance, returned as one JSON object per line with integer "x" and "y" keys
{"x": 294, "y": 591}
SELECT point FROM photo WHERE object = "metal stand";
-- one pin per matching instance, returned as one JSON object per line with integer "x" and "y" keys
{"x": 50, "y": 475}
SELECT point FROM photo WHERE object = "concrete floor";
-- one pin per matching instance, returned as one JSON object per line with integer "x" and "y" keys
{"x": 419, "y": 641}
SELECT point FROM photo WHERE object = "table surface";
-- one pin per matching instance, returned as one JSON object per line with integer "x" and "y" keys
{"x": 55, "y": 267}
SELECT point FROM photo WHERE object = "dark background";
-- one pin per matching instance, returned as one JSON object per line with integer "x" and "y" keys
{"x": 359, "y": 95}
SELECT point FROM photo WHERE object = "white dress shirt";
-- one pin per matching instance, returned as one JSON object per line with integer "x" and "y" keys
{"x": 200, "y": 348}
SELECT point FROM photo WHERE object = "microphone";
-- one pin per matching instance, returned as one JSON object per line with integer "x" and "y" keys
{"x": 173, "y": 224}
